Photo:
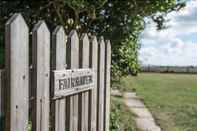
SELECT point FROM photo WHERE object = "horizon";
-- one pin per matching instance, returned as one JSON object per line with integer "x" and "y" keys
{"x": 169, "y": 65}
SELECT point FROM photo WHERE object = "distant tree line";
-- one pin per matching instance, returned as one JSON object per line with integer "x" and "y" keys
{"x": 169, "y": 69}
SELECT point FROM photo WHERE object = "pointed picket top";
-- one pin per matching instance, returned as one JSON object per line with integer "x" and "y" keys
{"x": 59, "y": 40}
{"x": 101, "y": 40}
{"x": 73, "y": 45}
{"x": 41, "y": 27}
{"x": 59, "y": 35}
{"x": 84, "y": 51}
{"x": 73, "y": 41}
{"x": 108, "y": 44}
{"x": 84, "y": 38}
{"x": 16, "y": 17}
{"x": 94, "y": 40}
{"x": 17, "y": 22}
{"x": 93, "y": 51}
{"x": 73, "y": 38}
{"x": 59, "y": 30}
{"x": 73, "y": 35}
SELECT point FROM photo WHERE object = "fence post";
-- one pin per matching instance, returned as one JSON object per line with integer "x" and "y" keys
{"x": 73, "y": 63}
{"x": 59, "y": 40}
{"x": 41, "y": 75}
{"x": 17, "y": 74}
{"x": 101, "y": 69}
{"x": 84, "y": 49}
{"x": 93, "y": 92}
{"x": 107, "y": 83}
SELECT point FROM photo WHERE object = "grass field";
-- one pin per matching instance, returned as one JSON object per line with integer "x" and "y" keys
{"x": 121, "y": 119}
{"x": 172, "y": 98}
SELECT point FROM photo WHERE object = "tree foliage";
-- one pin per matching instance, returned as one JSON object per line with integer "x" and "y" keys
{"x": 121, "y": 21}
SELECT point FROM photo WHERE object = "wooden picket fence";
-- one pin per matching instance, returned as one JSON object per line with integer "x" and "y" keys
{"x": 26, "y": 85}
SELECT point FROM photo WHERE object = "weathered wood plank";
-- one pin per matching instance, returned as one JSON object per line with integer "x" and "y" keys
{"x": 93, "y": 92}
{"x": 41, "y": 75}
{"x": 71, "y": 81}
{"x": 101, "y": 69}
{"x": 107, "y": 83}
{"x": 73, "y": 63}
{"x": 84, "y": 96}
{"x": 59, "y": 40}
{"x": 17, "y": 73}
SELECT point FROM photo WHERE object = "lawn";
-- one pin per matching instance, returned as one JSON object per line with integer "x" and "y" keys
{"x": 172, "y": 98}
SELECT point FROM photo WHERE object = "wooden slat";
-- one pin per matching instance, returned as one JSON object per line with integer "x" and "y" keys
{"x": 107, "y": 83}
{"x": 93, "y": 93}
{"x": 17, "y": 73}
{"x": 73, "y": 63}
{"x": 59, "y": 40}
{"x": 101, "y": 69}
{"x": 84, "y": 96}
{"x": 41, "y": 75}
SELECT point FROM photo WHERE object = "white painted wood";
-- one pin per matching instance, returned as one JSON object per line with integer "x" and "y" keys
{"x": 41, "y": 75}
{"x": 17, "y": 73}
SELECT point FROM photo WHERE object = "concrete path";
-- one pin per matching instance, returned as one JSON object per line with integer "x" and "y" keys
{"x": 144, "y": 118}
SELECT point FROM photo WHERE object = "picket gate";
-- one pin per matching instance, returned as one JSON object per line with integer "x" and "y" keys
{"x": 30, "y": 81}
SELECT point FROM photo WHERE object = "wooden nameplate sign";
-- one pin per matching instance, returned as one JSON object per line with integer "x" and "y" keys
{"x": 69, "y": 82}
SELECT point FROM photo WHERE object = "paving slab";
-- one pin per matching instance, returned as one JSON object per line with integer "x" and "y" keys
{"x": 135, "y": 103}
{"x": 147, "y": 124}
{"x": 144, "y": 119}
{"x": 142, "y": 113}
{"x": 130, "y": 95}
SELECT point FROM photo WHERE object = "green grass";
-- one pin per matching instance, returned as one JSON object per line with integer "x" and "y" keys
{"x": 121, "y": 119}
{"x": 172, "y": 98}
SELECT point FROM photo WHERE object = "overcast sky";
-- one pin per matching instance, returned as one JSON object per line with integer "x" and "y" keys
{"x": 176, "y": 45}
